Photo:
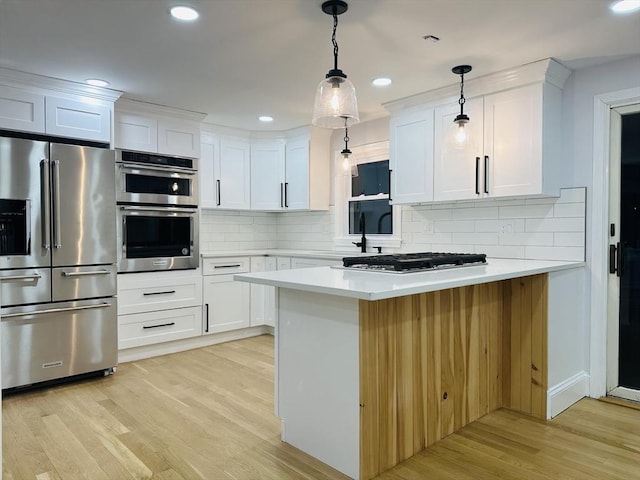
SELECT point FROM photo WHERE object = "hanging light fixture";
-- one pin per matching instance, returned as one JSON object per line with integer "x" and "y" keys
{"x": 335, "y": 101}
{"x": 461, "y": 135}
{"x": 346, "y": 163}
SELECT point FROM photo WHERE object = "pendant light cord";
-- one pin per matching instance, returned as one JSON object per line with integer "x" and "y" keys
{"x": 462, "y": 99}
{"x": 333, "y": 39}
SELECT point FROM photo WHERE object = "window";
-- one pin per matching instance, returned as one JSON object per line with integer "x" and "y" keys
{"x": 369, "y": 202}
{"x": 363, "y": 198}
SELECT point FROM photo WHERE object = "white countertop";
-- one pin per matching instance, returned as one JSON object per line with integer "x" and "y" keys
{"x": 367, "y": 285}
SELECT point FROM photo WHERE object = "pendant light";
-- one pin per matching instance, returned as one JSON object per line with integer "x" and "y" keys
{"x": 335, "y": 102}
{"x": 346, "y": 163}
{"x": 461, "y": 136}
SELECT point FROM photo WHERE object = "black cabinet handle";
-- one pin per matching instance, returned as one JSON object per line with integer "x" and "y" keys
{"x": 286, "y": 199}
{"x": 158, "y": 326}
{"x": 613, "y": 259}
{"x": 218, "y": 193}
{"x": 477, "y": 175}
{"x": 235, "y": 265}
{"x": 390, "y": 199}
{"x": 206, "y": 318}
{"x": 486, "y": 174}
{"x": 146, "y": 294}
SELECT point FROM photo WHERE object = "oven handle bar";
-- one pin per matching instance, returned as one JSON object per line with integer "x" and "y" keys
{"x": 131, "y": 208}
{"x": 56, "y": 310}
{"x": 135, "y": 166}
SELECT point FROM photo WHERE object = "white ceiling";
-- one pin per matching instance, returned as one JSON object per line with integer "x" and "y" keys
{"x": 243, "y": 58}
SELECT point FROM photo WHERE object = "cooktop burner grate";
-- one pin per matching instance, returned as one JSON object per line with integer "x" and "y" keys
{"x": 405, "y": 262}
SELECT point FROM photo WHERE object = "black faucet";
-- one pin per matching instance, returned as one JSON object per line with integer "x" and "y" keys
{"x": 363, "y": 240}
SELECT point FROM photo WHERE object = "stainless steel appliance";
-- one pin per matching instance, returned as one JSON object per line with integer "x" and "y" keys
{"x": 414, "y": 262}
{"x": 157, "y": 216}
{"x": 153, "y": 179}
{"x": 57, "y": 261}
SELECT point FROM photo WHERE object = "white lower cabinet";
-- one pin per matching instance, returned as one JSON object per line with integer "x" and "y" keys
{"x": 226, "y": 303}
{"x": 262, "y": 296}
{"x": 157, "y": 307}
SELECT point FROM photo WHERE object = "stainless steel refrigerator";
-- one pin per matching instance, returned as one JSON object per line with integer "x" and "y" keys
{"x": 57, "y": 261}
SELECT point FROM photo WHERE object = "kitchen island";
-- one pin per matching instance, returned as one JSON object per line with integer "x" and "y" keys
{"x": 372, "y": 367}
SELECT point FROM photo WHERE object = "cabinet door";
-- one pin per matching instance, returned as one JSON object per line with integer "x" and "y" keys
{"x": 226, "y": 304}
{"x": 179, "y": 137}
{"x": 209, "y": 155}
{"x": 513, "y": 142}
{"x": 267, "y": 175}
{"x": 296, "y": 183}
{"x": 136, "y": 132}
{"x": 70, "y": 118}
{"x": 20, "y": 110}
{"x": 235, "y": 180}
{"x": 258, "y": 293}
{"x": 457, "y": 170}
{"x": 411, "y": 157}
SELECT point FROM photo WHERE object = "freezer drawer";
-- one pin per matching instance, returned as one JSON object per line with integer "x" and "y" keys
{"x": 24, "y": 286}
{"x": 54, "y": 341}
{"x": 73, "y": 283}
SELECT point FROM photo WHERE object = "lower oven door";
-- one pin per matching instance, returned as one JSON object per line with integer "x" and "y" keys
{"x": 57, "y": 340}
{"x": 157, "y": 238}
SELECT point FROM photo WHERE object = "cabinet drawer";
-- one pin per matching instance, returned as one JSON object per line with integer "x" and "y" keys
{"x": 225, "y": 265}
{"x": 155, "y": 327}
{"x": 136, "y": 295}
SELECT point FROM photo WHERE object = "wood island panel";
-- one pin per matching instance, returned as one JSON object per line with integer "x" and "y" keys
{"x": 433, "y": 362}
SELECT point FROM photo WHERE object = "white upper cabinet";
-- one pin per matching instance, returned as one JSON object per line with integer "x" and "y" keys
{"x": 267, "y": 174}
{"x": 34, "y": 104}
{"x": 515, "y": 123}
{"x": 70, "y": 118}
{"x": 151, "y": 128}
{"x": 411, "y": 156}
{"x": 224, "y": 172}
{"x": 296, "y": 190}
{"x": 21, "y": 110}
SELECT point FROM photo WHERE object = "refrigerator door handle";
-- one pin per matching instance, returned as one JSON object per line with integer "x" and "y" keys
{"x": 45, "y": 192}
{"x": 56, "y": 310}
{"x": 84, "y": 274}
{"x": 56, "y": 204}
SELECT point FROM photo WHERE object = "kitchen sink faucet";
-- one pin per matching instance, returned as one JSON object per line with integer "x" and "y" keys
{"x": 363, "y": 240}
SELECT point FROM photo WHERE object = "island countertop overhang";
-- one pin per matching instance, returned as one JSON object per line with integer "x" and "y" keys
{"x": 371, "y": 286}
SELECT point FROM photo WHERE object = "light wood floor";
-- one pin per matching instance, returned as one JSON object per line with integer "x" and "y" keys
{"x": 208, "y": 414}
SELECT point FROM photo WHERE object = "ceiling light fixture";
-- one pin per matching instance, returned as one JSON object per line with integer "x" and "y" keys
{"x": 182, "y": 12}
{"x": 335, "y": 101}
{"x": 346, "y": 163}
{"x": 96, "y": 82}
{"x": 265, "y": 118}
{"x": 461, "y": 134}
{"x": 625, "y": 6}
{"x": 381, "y": 82}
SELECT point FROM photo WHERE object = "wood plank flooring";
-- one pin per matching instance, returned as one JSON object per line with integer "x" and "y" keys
{"x": 208, "y": 414}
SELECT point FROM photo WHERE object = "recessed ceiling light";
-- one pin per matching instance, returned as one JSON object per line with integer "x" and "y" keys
{"x": 381, "y": 82}
{"x": 265, "y": 118}
{"x": 625, "y": 6}
{"x": 182, "y": 12}
{"x": 96, "y": 82}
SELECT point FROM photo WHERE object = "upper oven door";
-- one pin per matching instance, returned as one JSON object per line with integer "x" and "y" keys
{"x": 156, "y": 185}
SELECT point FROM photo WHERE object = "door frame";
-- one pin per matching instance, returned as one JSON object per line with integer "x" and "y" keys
{"x": 600, "y": 233}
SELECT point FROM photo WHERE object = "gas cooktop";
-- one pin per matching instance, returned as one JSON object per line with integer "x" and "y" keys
{"x": 414, "y": 262}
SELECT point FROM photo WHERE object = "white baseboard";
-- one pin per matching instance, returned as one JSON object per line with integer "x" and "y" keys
{"x": 164, "y": 348}
{"x": 566, "y": 393}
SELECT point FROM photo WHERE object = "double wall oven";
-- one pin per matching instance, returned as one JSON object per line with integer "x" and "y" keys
{"x": 157, "y": 224}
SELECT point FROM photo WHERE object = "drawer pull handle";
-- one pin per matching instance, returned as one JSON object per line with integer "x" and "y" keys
{"x": 83, "y": 274}
{"x": 168, "y": 292}
{"x": 160, "y": 325}
{"x": 35, "y": 277}
{"x": 235, "y": 265}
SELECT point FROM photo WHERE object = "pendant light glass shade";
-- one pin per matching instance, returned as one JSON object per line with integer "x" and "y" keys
{"x": 335, "y": 102}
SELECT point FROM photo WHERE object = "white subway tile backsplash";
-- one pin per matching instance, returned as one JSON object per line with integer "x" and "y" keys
{"x": 475, "y": 213}
{"x": 476, "y": 238}
{"x": 512, "y": 225}
{"x": 539, "y": 238}
{"x": 568, "y": 210}
{"x": 503, "y": 251}
{"x": 454, "y": 226}
{"x": 527, "y": 211}
{"x": 571, "y": 239}
{"x": 554, "y": 224}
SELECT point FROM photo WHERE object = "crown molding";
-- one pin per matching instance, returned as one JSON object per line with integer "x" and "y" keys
{"x": 55, "y": 86}
{"x": 547, "y": 70}
{"x": 136, "y": 106}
